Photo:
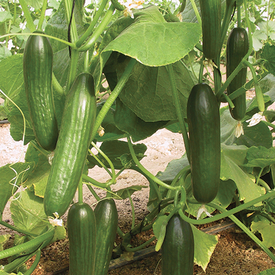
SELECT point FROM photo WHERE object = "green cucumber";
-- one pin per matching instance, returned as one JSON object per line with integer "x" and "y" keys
{"x": 106, "y": 221}
{"x": 203, "y": 119}
{"x": 81, "y": 224}
{"x": 237, "y": 48}
{"x": 72, "y": 145}
{"x": 177, "y": 250}
{"x": 211, "y": 27}
{"x": 37, "y": 69}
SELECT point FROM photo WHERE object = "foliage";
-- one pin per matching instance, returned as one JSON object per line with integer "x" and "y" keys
{"x": 144, "y": 67}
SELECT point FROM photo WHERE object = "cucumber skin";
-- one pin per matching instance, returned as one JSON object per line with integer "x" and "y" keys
{"x": 178, "y": 248}
{"x": 237, "y": 48}
{"x": 81, "y": 224}
{"x": 107, "y": 221}
{"x": 37, "y": 69}
{"x": 72, "y": 145}
{"x": 203, "y": 119}
{"x": 211, "y": 27}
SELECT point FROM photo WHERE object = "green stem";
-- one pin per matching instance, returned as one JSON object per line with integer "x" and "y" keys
{"x": 22, "y": 231}
{"x": 178, "y": 108}
{"x": 93, "y": 181}
{"x": 133, "y": 210}
{"x": 90, "y": 29}
{"x": 239, "y": 17}
{"x": 86, "y": 62}
{"x": 249, "y": 233}
{"x": 100, "y": 163}
{"x": 35, "y": 263}
{"x": 229, "y": 212}
{"x": 107, "y": 105}
{"x": 113, "y": 174}
{"x": 42, "y": 15}
{"x": 27, "y": 15}
{"x": 73, "y": 69}
{"x": 145, "y": 171}
{"x": 17, "y": 262}
{"x": 28, "y": 245}
{"x": 93, "y": 192}
{"x": 196, "y": 11}
{"x": 80, "y": 191}
{"x": 99, "y": 30}
{"x": 263, "y": 184}
{"x": 69, "y": 11}
{"x": 56, "y": 85}
{"x": 258, "y": 90}
{"x": 134, "y": 249}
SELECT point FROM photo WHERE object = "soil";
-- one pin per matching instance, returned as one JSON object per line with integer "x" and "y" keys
{"x": 234, "y": 254}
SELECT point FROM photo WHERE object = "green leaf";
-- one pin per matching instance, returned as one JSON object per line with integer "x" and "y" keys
{"x": 124, "y": 193}
{"x": 4, "y": 53}
{"x": 27, "y": 211}
{"x": 148, "y": 92}
{"x": 204, "y": 247}
{"x": 154, "y": 42}
{"x": 36, "y": 4}
{"x": 267, "y": 231}
{"x": 119, "y": 154}
{"x": 129, "y": 122}
{"x": 12, "y": 84}
{"x": 270, "y": 271}
{"x": 247, "y": 188}
{"x": 12, "y": 176}
{"x": 4, "y": 16}
{"x": 188, "y": 15}
{"x": 39, "y": 176}
{"x": 159, "y": 228}
{"x": 3, "y": 240}
{"x": 260, "y": 156}
{"x": 268, "y": 54}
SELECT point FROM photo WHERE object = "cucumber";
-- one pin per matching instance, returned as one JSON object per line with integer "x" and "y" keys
{"x": 81, "y": 224}
{"x": 211, "y": 27}
{"x": 178, "y": 248}
{"x": 72, "y": 146}
{"x": 37, "y": 69}
{"x": 107, "y": 221}
{"x": 203, "y": 119}
{"x": 237, "y": 48}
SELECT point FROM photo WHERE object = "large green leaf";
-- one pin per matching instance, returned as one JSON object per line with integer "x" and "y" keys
{"x": 12, "y": 176}
{"x": 204, "y": 247}
{"x": 270, "y": 271}
{"x": 148, "y": 91}
{"x": 247, "y": 188}
{"x": 260, "y": 156}
{"x": 27, "y": 211}
{"x": 154, "y": 42}
{"x": 129, "y": 122}
{"x": 268, "y": 54}
{"x": 36, "y": 4}
{"x": 39, "y": 176}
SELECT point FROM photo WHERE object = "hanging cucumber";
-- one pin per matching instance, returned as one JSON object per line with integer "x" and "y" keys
{"x": 178, "y": 248}
{"x": 211, "y": 27}
{"x": 72, "y": 146}
{"x": 81, "y": 226}
{"x": 203, "y": 119}
{"x": 106, "y": 220}
{"x": 37, "y": 69}
{"x": 237, "y": 48}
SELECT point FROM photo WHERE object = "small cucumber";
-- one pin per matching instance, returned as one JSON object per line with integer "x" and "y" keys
{"x": 178, "y": 248}
{"x": 81, "y": 224}
{"x": 237, "y": 48}
{"x": 106, "y": 221}
{"x": 203, "y": 119}
{"x": 37, "y": 69}
{"x": 211, "y": 27}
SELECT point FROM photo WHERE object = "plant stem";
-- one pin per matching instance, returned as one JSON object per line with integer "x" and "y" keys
{"x": 133, "y": 210}
{"x": 42, "y": 15}
{"x": 35, "y": 263}
{"x": 196, "y": 11}
{"x": 107, "y": 105}
{"x": 73, "y": 69}
{"x": 99, "y": 30}
{"x": 27, "y": 15}
{"x": 22, "y": 231}
{"x": 28, "y": 245}
{"x": 90, "y": 29}
{"x": 56, "y": 85}
{"x": 80, "y": 191}
{"x": 69, "y": 13}
{"x": 178, "y": 108}
{"x": 94, "y": 182}
{"x": 145, "y": 171}
{"x": 93, "y": 192}
{"x": 134, "y": 249}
